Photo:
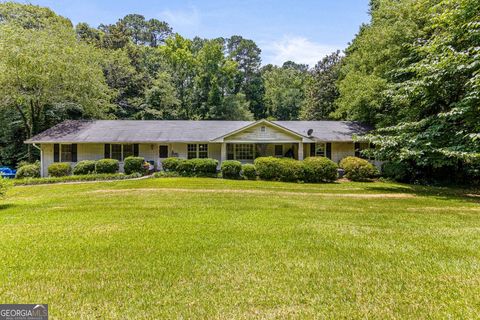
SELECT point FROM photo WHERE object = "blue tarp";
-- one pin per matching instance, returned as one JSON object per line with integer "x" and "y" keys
{"x": 8, "y": 173}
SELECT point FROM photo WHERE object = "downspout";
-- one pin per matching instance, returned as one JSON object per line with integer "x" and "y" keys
{"x": 41, "y": 159}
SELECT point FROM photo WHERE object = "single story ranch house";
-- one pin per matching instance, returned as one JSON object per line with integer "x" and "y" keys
{"x": 73, "y": 141}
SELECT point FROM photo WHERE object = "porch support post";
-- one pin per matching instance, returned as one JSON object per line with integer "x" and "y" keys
{"x": 300, "y": 151}
{"x": 223, "y": 154}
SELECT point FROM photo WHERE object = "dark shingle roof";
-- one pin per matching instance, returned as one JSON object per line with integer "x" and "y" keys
{"x": 148, "y": 131}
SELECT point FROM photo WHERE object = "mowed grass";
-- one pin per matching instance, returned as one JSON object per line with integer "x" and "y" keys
{"x": 210, "y": 248}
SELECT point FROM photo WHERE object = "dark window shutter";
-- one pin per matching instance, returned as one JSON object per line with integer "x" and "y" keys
{"x": 135, "y": 150}
{"x": 329, "y": 150}
{"x": 357, "y": 149}
{"x": 312, "y": 149}
{"x": 74, "y": 153}
{"x": 56, "y": 152}
{"x": 107, "y": 151}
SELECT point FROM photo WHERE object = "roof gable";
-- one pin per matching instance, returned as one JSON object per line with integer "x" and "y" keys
{"x": 262, "y": 130}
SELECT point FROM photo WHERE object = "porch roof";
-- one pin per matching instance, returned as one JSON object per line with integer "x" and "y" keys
{"x": 154, "y": 131}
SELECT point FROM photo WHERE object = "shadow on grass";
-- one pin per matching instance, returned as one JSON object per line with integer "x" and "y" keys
{"x": 445, "y": 193}
{"x": 5, "y": 206}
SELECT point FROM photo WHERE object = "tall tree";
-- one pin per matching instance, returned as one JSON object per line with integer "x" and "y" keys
{"x": 248, "y": 81}
{"x": 321, "y": 89}
{"x": 48, "y": 67}
{"x": 284, "y": 92}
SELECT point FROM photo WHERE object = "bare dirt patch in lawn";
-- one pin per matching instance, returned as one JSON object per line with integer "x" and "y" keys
{"x": 260, "y": 192}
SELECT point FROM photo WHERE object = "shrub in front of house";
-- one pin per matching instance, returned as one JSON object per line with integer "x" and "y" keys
{"x": 319, "y": 169}
{"x": 357, "y": 169}
{"x": 290, "y": 170}
{"x": 106, "y": 166}
{"x": 249, "y": 172}
{"x": 268, "y": 168}
{"x": 231, "y": 169}
{"x": 28, "y": 170}
{"x": 134, "y": 165}
{"x": 171, "y": 164}
{"x": 59, "y": 169}
{"x": 204, "y": 167}
{"x": 84, "y": 167}
{"x": 186, "y": 168}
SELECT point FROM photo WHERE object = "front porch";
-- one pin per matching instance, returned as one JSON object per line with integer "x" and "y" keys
{"x": 248, "y": 152}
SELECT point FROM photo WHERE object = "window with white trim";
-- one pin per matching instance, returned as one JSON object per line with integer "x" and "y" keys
{"x": 320, "y": 149}
{"x": 244, "y": 151}
{"x": 121, "y": 151}
{"x": 197, "y": 150}
{"x": 66, "y": 153}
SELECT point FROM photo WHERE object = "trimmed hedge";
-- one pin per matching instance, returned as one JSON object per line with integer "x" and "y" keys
{"x": 268, "y": 168}
{"x": 59, "y": 169}
{"x": 186, "y": 168}
{"x": 319, "y": 169}
{"x": 106, "y": 166}
{"x": 28, "y": 170}
{"x": 357, "y": 169}
{"x": 249, "y": 172}
{"x": 192, "y": 167}
{"x": 87, "y": 177}
{"x": 134, "y": 165}
{"x": 204, "y": 167}
{"x": 171, "y": 164}
{"x": 290, "y": 170}
{"x": 84, "y": 167}
{"x": 231, "y": 169}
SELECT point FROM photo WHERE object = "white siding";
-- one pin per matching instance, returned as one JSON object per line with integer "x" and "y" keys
{"x": 271, "y": 134}
{"x": 342, "y": 150}
{"x": 90, "y": 151}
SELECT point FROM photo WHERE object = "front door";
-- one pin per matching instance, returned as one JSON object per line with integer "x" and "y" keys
{"x": 163, "y": 152}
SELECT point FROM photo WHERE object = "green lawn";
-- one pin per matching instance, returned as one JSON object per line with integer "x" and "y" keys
{"x": 210, "y": 248}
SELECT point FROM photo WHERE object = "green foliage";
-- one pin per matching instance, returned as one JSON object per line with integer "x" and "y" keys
{"x": 44, "y": 65}
{"x": 84, "y": 167}
{"x": 162, "y": 99}
{"x": 319, "y": 169}
{"x": 290, "y": 170}
{"x": 5, "y": 184}
{"x": 171, "y": 164}
{"x": 231, "y": 169}
{"x": 321, "y": 89}
{"x": 414, "y": 73}
{"x": 357, "y": 169}
{"x": 134, "y": 165}
{"x": 284, "y": 92}
{"x": 204, "y": 167}
{"x": 106, "y": 166}
{"x": 186, "y": 168}
{"x": 77, "y": 178}
{"x": 398, "y": 171}
{"x": 28, "y": 170}
{"x": 268, "y": 168}
{"x": 249, "y": 172}
{"x": 59, "y": 169}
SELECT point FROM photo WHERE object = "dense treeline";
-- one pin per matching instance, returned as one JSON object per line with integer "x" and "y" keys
{"x": 412, "y": 73}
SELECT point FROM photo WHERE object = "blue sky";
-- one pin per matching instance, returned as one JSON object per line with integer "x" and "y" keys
{"x": 303, "y": 30}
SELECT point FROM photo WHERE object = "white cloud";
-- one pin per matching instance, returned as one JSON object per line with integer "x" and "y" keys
{"x": 190, "y": 17}
{"x": 297, "y": 49}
